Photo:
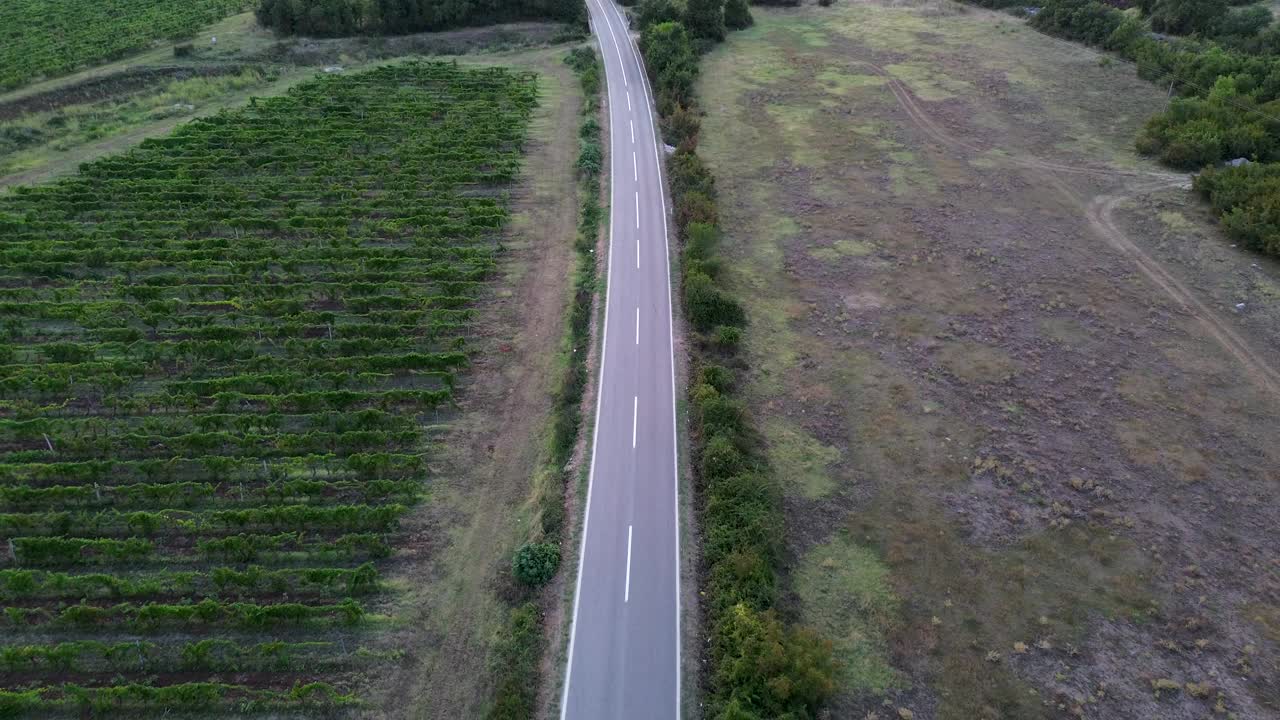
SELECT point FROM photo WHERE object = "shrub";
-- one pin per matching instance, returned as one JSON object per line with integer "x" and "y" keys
{"x": 1243, "y": 23}
{"x": 767, "y": 670}
{"x": 687, "y": 173}
{"x": 671, "y": 62}
{"x": 680, "y": 129}
{"x": 737, "y": 16}
{"x": 1182, "y": 17}
{"x": 741, "y": 577}
{"x": 655, "y": 12}
{"x": 709, "y": 306}
{"x": 721, "y": 458}
{"x": 694, "y": 207}
{"x": 720, "y": 414}
{"x": 536, "y": 563}
{"x": 1248, "y": 198}
{"x": 590, "y": 158}
{"x": 1081, "y": 20}
{"x": 727, "y": 338}
{"x": 705, "y": 19}
{"x": 1195, "y": 132}
{"x": 716, "y": 376}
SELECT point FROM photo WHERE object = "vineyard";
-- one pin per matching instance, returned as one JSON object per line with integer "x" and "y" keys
{"x": 226, "y": 357}
{"x": 43, "y": 38}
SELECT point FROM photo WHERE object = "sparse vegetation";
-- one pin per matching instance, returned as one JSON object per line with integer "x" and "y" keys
{"x": 537, "y": 561}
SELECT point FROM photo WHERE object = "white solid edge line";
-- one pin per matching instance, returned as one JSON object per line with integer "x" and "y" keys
{"x": 618, "y": 50}
{"x": 573, "y": 629}
{"x": 595, "y": 436}
{"x": 635, "y": 417}
{"x": 626, "y": 591}
{"x": 671, "y": 336}
{"x": 675, "y": 454}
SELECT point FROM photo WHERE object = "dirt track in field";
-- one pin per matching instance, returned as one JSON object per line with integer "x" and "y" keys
{"x": 1009, "y": 372}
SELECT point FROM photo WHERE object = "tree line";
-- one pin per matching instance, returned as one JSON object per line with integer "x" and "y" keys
{"x": 330, "y": 18}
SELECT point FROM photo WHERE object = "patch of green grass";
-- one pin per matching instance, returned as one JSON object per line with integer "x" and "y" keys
{"x": 841, "y": 81}
{"x": 927, "y": 82}
{"x": 801, "y": 462}
{"x": 1176, "y": 221}
{"x": 976, "y": 363}
{"x": 799, "y": 128}
{"x": 842, "y": 249}
{"x": 845, "y": 593}
{"x": 909, "y": 178}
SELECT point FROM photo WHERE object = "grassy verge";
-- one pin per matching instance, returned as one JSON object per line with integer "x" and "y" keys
{"x": 537, "y": 561}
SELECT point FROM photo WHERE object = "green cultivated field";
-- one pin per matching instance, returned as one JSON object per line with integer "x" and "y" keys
{"x": 224, "y": 355}
{"x": 53, "y": 37}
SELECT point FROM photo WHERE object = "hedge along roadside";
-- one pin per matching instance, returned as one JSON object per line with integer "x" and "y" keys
{"x": 536, "y": 562}
{"x": 760, "y": 665}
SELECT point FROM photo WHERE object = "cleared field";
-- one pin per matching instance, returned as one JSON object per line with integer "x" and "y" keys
{"x": 54, "y": 37}
{"x": 1022, "y": 394}
{"x": 229, "y": 357}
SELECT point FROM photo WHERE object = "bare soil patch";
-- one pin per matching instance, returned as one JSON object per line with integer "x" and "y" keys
{"x": 1049, "y": 380}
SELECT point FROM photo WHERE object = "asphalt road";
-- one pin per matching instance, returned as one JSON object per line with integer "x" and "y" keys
{"x": 624, "y": 647}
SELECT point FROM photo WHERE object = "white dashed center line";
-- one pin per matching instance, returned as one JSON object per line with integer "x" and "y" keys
{"x": 626, "y": 590}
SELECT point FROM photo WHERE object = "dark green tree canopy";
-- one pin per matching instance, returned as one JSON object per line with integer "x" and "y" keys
{"x": 705, "y": 19}
{"x": 737, "y": 15}
{"x": 1183, "y": 17}
{"x": 391, "y": 17}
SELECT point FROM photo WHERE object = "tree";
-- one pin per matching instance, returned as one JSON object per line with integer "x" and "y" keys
{"x": 705, "y": 19}
{"x": 737, "y": 16}
{"x": 655, "y": 12}
{"x": 1182, "y": 17}
{"x": 1243, "y": 22}
{"x": 672, "y": 64}
{"x": 536, "y": 563}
